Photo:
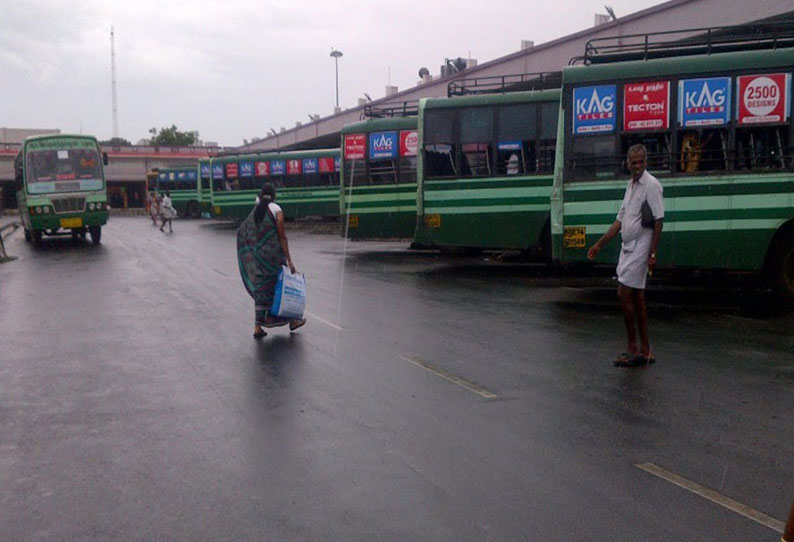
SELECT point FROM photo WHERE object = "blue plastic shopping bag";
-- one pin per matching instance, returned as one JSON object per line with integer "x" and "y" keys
{"x": 290, "y": 298}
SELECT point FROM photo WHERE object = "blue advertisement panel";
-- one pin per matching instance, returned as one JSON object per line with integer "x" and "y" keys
{"x": 383, "y": 145}
{"x": 594, "y": 109}
{"x": 205, "y": 171}
{"x": 163, "y": 176}
{"x": 509, "y": 145}
{"x": 191, "y": 176}
{"x": 704, "y": 102}
{"x": 217, "y": 171}
{"x": 310, "y": 165}
{"x": 278, "y": 167}
{"x": 246, "y": 169}
{"x": 337, "y": 163}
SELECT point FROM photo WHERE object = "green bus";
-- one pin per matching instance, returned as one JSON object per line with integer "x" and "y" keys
{"x": 307, "y": 183}
{"x": 60, "y": 187}
{"x": 378, "y": 180}
{"x": 485, "y": 169}
{"x": 716, "y": 121}
{"x": 183, "y": 186}
{"x": 204, "y": 187}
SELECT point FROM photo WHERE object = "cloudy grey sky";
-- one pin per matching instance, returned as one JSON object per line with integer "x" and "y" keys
{"x": 232, "y": 69}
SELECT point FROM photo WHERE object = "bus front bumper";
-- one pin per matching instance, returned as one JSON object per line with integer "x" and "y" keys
{"x": 68, "y": 221}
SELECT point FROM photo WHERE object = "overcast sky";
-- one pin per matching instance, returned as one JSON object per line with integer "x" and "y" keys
{"x": 233, "y": 69}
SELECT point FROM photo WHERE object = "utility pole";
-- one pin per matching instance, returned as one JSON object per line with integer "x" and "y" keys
{"x": 336, "y": 54}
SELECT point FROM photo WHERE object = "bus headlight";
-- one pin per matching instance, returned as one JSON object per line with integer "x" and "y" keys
{"x": 38, "y": 210}
{"x": 46, "y": 209}
{"x": 91, "y": 206}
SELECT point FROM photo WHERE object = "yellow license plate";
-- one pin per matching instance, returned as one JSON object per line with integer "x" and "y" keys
{"x": 352, "y": 221}
{"x": 574, "y": 237}
{"x": 72, "y": 222}
{"x": 217, "y": 210}
{"x": 433, "y": 221}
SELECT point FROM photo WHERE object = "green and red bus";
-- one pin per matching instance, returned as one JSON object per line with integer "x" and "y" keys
{"x": 717, "y": 123}
{"x": 182, "y": 183}
{"x": 307, "y": 183}
{"x": 378, "y": 192}
{"x": 485, "y": 169}
{"x": 60, "y": 186}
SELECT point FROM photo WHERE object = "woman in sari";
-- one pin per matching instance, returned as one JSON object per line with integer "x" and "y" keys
{"x": 262, "y": 249}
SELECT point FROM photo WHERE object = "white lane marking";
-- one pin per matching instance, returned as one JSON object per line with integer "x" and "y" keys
{"x": 713, "y": 496}
{"x": 462, "y": 382}
{"x": 326, "y": 322}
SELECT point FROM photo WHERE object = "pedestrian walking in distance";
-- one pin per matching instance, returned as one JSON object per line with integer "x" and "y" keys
{"x": 167, "y": 211}
{"x": 639, "y": 222}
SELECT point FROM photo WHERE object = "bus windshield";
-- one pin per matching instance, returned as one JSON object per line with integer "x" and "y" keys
{"x": 63, "y": 170}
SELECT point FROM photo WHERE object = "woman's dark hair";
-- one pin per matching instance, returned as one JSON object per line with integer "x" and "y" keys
{"x": 266, "y": 195}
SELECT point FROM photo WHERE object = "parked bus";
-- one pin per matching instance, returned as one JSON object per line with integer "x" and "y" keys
{"x": 204, "y": 187}
{"x": 307, "y": 183}
{"x": 485, "y": 167}
{"x": 719, "y": 134}
{"x": 378, "y": 196}
{"x": 183, "y": 186}
{"x": 60, "y": 186}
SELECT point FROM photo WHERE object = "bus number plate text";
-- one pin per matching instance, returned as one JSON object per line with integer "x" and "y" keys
{"x": 72, "y": 222}
{"x": 352, "y": 221}
{"x": 574, "y": 237}
{"x": 433, "y": 221}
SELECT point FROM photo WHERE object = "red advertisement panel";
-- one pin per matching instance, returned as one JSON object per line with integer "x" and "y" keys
{"x": 355, "y": 146}
{"x": 231, "y": 170}
{"x": 262, "y": 169}
{"x": 763, "y": 98}
{"x": 293, "y": 167}
{"x": 326, "y": 165}
{"x": 409, "y": 141}
{"x": 646, "y": 106}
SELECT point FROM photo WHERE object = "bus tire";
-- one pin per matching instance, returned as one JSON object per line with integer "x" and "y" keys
{"x": 28, "y": 236}
{"x": 782, "y": 268}
{"x": 96, "y": 234}
{"x": 37, "y": 234}
{"x": 193, "y": 209}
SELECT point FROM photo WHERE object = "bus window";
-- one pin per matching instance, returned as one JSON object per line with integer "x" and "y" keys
{"x": 594, "y": 157}
{"x": 766, "y": 147}
{"x": 440, "y": 158}
{"x": 476, "y": 136}
{"x": 547, "y": 144}
{"x": 702, "y": 150}
{"x": 516, "y": 134}
{"x": 383, "y": 171}
{"x": 658, "y": 146}
{"x": 408, "y": 169}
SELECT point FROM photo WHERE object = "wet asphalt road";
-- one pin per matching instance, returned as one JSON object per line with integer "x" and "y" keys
{"x": 427, "y": 398}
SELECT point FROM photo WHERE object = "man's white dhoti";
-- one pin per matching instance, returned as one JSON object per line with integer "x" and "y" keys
{"x": 633, "y": 264}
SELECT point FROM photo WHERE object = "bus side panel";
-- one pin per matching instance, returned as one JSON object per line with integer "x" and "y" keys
{"x": 382, "y": 212}
{"x": 490, "y": 213}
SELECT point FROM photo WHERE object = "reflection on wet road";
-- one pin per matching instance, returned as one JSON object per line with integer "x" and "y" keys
{"x": 429, "y": 397}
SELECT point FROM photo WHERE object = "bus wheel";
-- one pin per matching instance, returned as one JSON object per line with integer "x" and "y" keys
{"x": 37, "y": 238}
{"x": 96, "y": 233}
{"x": 28, "y": 236}
{"x": 782, "y": 268}
{"x": 193, "y": 209}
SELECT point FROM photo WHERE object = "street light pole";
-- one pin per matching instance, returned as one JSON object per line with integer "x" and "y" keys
{"x": 336, "y": 54}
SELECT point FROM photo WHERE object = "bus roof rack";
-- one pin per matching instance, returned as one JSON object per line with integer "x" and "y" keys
{"x": 505, "y": 83}
{"x": 391, "y": 109}
{"x": 694, "y": 41}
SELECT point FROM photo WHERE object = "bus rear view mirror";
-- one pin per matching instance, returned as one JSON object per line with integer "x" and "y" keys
{"x": 105, "y": 158}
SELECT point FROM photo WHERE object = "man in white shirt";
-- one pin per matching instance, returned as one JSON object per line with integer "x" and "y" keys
{"x": 637, "y": 253}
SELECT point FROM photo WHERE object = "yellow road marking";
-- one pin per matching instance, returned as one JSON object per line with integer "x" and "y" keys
{"x": 713, "y": 496}
{"x": 462, "y": 382}
{"x": 326, "y": 322}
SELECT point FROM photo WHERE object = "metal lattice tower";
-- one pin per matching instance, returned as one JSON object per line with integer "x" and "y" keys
{"x": 113, "y": 84}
